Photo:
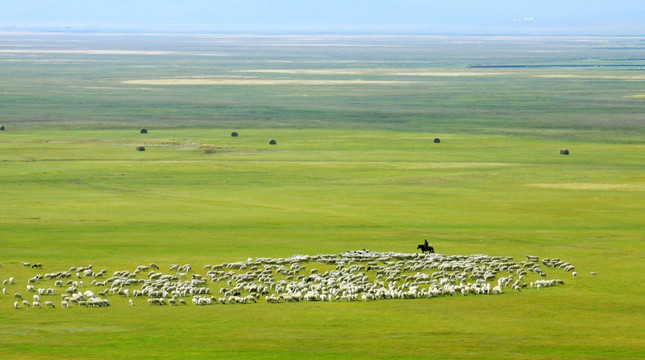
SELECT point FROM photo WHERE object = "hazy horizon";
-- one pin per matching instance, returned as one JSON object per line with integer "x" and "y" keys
{"x": 563, "y": 17}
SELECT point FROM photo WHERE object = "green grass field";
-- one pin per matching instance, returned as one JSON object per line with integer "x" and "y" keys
{"x": 355, "y": 167}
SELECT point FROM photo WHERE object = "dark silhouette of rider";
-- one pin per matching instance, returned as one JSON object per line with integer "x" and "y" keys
{"x": 426, "y": 242}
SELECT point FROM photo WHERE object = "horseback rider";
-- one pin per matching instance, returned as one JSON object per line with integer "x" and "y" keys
{"x": 426, "y": 243}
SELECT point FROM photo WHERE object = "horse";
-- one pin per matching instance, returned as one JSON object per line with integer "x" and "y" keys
{"x": 425, "y": 248}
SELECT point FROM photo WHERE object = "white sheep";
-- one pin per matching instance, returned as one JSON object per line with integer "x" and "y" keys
{"x": 154, "y": 301}
{"x": 37, "y": 305}
{"x": 64, "y": 303}
{"x": 50, "y": 304}
{"x": 15, "y": 305}
{"x": 346, "y": 283}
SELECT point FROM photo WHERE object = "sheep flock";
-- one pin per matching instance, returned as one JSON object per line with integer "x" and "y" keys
{"x": 361, "y": 275}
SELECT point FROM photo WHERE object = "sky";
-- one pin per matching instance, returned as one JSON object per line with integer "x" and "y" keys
{"x": 585, "y": 17}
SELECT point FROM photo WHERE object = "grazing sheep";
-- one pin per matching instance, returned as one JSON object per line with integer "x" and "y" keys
{"x": 574, "y": 274}
{"x": 593, "y": 273}
{"x": 64, "y": 304}
{"x": 25, "y": 303}
{"x": 50, "y": 304}
{"x": 15, "y": 305}
{"x": 37, "y": 305}
{"x": 25, "y": 264}
{"x": 349, "y": 278}
{"x": 155, "y": 301}
{"x": 18, "y": 296}
{"x": 272, "y": 299}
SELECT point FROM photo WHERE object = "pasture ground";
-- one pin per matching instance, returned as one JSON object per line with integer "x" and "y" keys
{"x": 355, "y": 167}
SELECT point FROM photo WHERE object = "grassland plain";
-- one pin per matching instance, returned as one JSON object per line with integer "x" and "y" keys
{"x": 355, "y": 167}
